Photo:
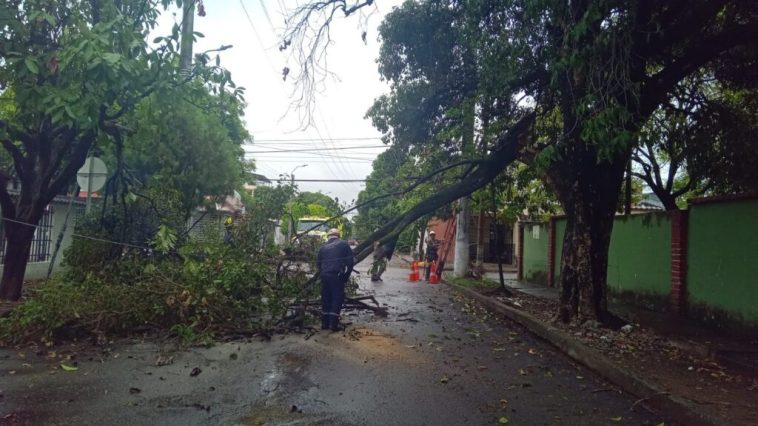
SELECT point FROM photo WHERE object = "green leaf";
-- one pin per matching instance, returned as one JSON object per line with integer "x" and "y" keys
{"x": 503, "y": 420}
{"x": 617, "y": 418}
{"x": 31, "y": 65}
{"x": 68, "y": 367}
{"x": 69, "y": 112}
{"x": 111, "y": 58}
{"x": 49, "y": 18}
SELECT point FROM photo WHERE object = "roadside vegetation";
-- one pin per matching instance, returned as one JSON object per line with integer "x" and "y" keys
{"x": 473, "y": 283}
{"x": 197, "y": 290}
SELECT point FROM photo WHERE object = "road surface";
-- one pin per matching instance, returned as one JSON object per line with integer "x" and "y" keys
{"x": 437, "y": 359}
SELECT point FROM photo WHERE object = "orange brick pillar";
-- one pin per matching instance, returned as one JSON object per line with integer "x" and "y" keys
{"x": 679, "y": 221}
{"x": 551, "y": 253}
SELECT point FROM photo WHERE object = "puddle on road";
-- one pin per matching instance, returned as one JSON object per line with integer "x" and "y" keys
{"x": 288, "y": 373}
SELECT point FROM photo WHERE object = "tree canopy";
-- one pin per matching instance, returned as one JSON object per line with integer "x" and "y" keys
{"x": 565, "y": 87}
{"x": 189, "y": 140}
{"x": 74, "y": 71}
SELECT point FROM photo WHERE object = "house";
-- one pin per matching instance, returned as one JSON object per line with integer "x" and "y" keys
{"x": 649, "y": 202}
{"x": 208, "y": 223}
{"x": 45, "y": 237}
{"x": 482, "y": 232}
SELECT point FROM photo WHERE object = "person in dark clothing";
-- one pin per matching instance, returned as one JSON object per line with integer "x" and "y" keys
{"x": 380, "y": 262}
{"x": 432, "y": 246}
{"x": 335, "y": 263}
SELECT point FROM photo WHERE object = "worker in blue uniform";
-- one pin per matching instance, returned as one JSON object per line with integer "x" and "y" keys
{"x": 335, "y": 263}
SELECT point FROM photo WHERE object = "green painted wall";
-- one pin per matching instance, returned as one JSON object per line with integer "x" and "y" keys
{"x": 722, "y": 267}
{"x": 560, "y": 232}
{"x": 639, "y": 258}
{"x": 535, "y": 252}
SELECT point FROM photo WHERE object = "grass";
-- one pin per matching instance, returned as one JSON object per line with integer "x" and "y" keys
{"x": 484, "y": 283}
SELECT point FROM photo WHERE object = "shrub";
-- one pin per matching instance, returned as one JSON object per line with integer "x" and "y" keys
{"x": 205, "y": 290}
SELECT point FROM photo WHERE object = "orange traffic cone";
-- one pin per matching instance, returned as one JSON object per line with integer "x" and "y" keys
{"x": 413, "y": 276}
{"x": 434, "y": 278}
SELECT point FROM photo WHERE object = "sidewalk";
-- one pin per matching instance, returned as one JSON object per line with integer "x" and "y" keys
{"x": 738, "y": 352}
{"x": 701, "y": 374}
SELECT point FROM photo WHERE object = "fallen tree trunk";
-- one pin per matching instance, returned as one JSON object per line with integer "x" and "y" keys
{"x": 504, "y": 153}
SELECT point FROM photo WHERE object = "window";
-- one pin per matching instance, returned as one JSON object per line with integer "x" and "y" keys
{"x": 40, "y": 250}
{"x": 536, "y": 232}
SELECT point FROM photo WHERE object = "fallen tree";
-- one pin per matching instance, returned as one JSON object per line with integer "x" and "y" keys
{"x": 594, "y": 71}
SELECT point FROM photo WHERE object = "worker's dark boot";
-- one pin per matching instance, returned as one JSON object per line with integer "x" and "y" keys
{"x": 336, "y": 325}
{"x": 325, "y": 322}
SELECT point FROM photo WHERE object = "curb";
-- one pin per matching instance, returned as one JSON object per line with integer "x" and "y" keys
{"x": 669, "y": 405}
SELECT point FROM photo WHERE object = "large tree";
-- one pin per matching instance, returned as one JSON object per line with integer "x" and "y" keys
{"x": 700, "y": 141}
{"x": 73, "y": 69}
{"x": 189, "y": 140}
{"x": 574, "y": 82}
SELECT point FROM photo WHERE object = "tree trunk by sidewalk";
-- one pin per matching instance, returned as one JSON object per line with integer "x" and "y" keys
{"x": 590, "y": 206}
{"x": 19, "y": 242}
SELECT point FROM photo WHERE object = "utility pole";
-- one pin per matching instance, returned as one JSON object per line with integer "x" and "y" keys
{"x": 188, "y": 28}
{"x": 91, "y": 172}
{"x": 462, "y": 238}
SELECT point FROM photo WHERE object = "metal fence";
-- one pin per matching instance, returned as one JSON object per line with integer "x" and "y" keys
{"x": 40, "y": 250}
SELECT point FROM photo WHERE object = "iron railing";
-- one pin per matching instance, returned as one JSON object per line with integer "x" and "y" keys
{"x": 40, "y": 250}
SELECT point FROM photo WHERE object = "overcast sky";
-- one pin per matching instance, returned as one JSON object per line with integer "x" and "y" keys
{"x": 256, "y": 63}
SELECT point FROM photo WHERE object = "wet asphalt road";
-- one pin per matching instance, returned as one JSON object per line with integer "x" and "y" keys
{"x": 437, "y": 359}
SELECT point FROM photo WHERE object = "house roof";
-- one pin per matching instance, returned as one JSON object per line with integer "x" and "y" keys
{"x": 649, "y": 201}
{"x": 63, "y": 199}
{"x": 79, "y": 201}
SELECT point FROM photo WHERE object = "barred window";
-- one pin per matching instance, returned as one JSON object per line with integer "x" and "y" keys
{"x": 40, "y": 250}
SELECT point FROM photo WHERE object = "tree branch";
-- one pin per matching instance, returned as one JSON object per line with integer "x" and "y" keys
{"x": 75, "y": 162}
{"x": 6, "y": 202}
{"x": 505, "y": 152}
{"x": 657, "y": 87}
{"x": 308, "y": 30}
{"x": 405, "y": 190}
{"x": 16, "y": 155}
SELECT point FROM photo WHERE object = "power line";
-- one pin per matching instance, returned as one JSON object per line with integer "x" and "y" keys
{"x": 327, "y": 157}
{"x": 268, "y": 17}
{"x": 320, "y": 160}
{"x": 319, "y": 154}
{"x": 361, "y": 138}
{"x": 274, "y": 150}
{"x": 324, "y": 180}
{"x": 258, "y": 37}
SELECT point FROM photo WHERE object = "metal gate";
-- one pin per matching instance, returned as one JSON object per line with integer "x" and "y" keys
{"x": 40, "y": 250}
